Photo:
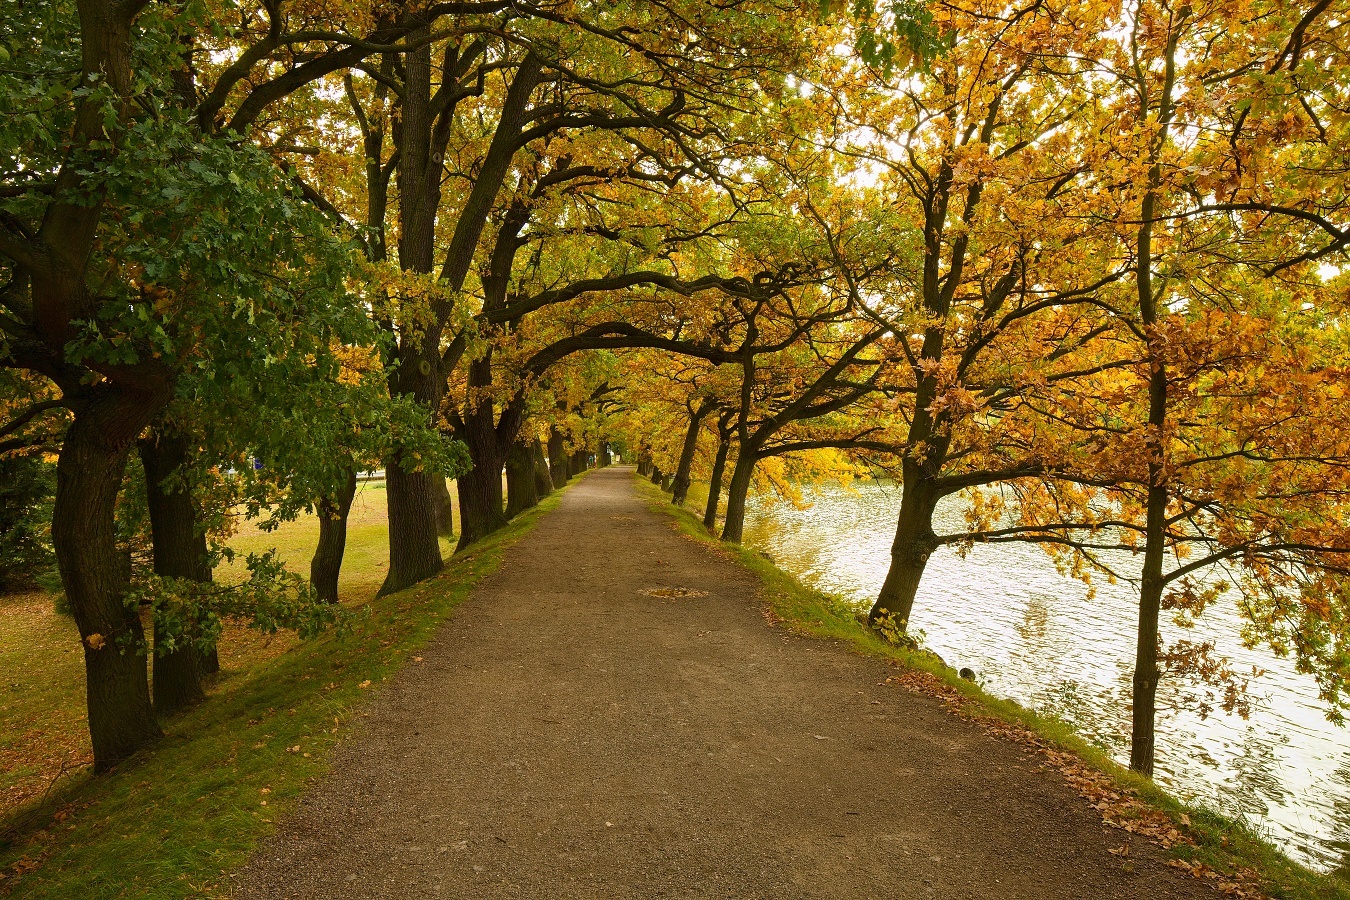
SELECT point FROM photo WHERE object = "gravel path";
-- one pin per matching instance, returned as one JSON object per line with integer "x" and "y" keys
{"x": 569, "y": 736}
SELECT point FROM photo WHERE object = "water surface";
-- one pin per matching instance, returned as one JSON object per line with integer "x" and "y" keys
{"x": 1034, "y": 635}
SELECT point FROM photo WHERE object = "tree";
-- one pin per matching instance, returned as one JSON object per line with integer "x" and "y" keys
{"x": 1174, "y": 234}
{"x": 980, "y": 195}
{"x": 128, "y": 234}
{"x": 1195, "y": 456}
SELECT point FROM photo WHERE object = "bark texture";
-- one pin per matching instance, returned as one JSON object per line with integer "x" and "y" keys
{"x": 480, "y": 490}
{"x": 715, "y": 481}
{"x": 326, "y": 564}
{"x": 543, "y": 481}
{"x": 680, "y": 489}
{"x": 737, "y": 492}
{"x": 913, "y": 545}
{"x": 414, "y": 550}
{"x": 179, "y": 545}
{"x": 89, "y": 473}
{"x": 521, "y": 491}
{"x": 557, "y": 459}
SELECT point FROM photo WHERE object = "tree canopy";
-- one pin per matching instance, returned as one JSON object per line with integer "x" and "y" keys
{"x": 1078, "y": 263}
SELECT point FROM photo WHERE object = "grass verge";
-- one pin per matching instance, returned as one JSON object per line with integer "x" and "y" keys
{"x": 176, "y": 820}
{"x": 1238, "y": 858}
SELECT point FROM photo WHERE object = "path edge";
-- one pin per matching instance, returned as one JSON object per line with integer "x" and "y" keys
{"x": 1229, "y": 854}
{"x": 230, "y": 771}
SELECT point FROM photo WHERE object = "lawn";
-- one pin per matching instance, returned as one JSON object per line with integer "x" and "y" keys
{"x": 174, "y": 821}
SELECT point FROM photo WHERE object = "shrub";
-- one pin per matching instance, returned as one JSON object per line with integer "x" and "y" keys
{"x": 27, "y": 486}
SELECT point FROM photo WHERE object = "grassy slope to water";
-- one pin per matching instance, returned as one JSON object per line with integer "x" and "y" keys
{"x": 175, "y": 820}
{"x": 1219, "y": 844}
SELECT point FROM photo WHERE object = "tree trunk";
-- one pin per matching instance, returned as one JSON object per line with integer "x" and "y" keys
{"x": 480, "y": 491}
{"x": 737, "y": 491}
{"x": 715, "y": 482}
{"x": 179, "y": 544}
{"x": 445, "y": 509}
{"x": 1146, "y": 673}
{"x": 414, "y": 546}
{"x": 913, "y": 545}
{"x": 89, "y": 471}
{"x": 480, "y": 502}
{"x": 521, "y": 492}
{"x": 579, "y": 462}
{"x": 543, "y": 481}
{"x": 412, "y": 494}
{"x": 656, "y": 475}
{"x": 327, "y": 561}
{"x": 602, "y": 455}
{"x": 557, "y": 458}
{"x": 686, "y": 461}
{"x": 209, "y": 660}
{"x": 414, "y": 550}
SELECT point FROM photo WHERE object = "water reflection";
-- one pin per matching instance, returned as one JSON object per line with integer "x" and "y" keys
{"x": 1339, "y": 839}
{"x": 1038, "y": 637}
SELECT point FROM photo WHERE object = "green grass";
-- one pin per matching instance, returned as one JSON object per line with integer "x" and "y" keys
{"x": 175, "y": 820}
{"x": 1220, "y": 843}
{"x": 41, "y": 725}
{"x": 367, "y": 557}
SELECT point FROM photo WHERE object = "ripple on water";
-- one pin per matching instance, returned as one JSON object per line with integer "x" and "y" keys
{"x": 1036, "y": 636}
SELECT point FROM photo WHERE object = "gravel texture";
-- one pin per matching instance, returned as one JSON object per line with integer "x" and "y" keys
{"x": 568, "y": 735}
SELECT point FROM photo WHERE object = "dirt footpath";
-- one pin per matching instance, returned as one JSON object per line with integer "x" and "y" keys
{"x": 568, "y": 735}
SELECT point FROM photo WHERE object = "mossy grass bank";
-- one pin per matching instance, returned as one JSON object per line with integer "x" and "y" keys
{"x": 176, "y": 820}
{"x": 1232, "y": 850}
